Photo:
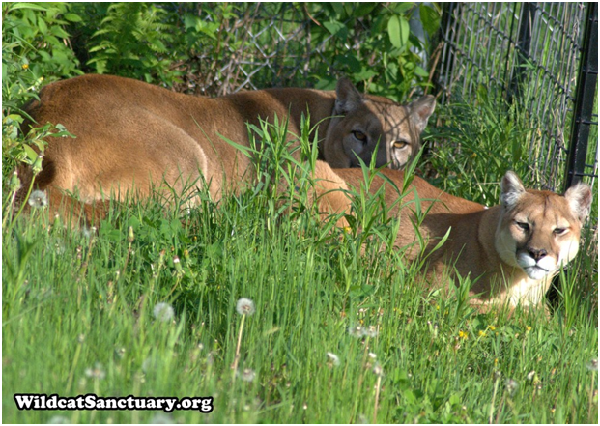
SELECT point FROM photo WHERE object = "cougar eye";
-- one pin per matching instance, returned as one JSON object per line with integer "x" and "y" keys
{"x": 360, "y": 136}
{"x": 400, "y": 144}
{"x": 560, "y": 231}
{"x": 523, "y": 225}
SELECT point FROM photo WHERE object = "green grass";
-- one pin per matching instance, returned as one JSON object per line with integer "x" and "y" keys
{"x": 78, "y": 317}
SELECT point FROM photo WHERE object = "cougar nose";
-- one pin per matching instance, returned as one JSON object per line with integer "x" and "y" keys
{"x": 537, "y": 254}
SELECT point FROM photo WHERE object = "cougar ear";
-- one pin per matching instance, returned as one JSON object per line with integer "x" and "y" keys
{"x": 347, "y": 97}
{"x": 420, "y": 111}
{"x": 580, "y": 199}
{"x": 511, "y": 189}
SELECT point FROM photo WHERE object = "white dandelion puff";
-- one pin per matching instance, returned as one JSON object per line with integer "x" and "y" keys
{"x": 59, "y": 420}
{"x": 245, "y": 306}
{"x": 163, "y": 312}
{"x": 378, "y": 369}
{"x": 248, "y": 375}
{"x": 592, "y": 365}
{"x": 356, "y": 331}
{"x": 88, "y": 232}
{"x": 335, "y": 360}
{"x": 38, "y": 199}
{"x": 371, "y": 331}
{"x": 162, "y": 419}
{"x": 511, "y": 386}
{"x": 95, "y": 373}
{"x": 149, "y": 364}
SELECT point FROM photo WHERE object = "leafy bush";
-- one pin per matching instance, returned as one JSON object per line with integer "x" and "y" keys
{"x": 35, "y": 51}
{"x": 385, "y": 52}
{"x": 135, "y": 40}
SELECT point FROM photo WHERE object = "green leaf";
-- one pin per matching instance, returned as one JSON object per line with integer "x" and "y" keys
{"x": 336, "y": 28}
{"x": 337, "y": 8}
{"x": 421, "y": 72}
{"x": 73, "y": 17}
{"x": 30, "y": 6}
{"x": 398, "y": 30}
{"x": 365, "y": 8}
{"x": 364, "y": 74}
{"x": 430, "y": 18}
{"x": 31, "y": 154}
{"x": 401, "y": 8}
{"x": 42, "y": 24}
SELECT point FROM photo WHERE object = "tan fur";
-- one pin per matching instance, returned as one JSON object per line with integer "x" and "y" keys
{"x": 505, "y": 262}
{"x": 131, "y": 135}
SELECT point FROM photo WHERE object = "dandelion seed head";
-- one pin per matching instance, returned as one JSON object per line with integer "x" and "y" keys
{"x": 335, "y": 360}
{"x": 162, "y": 419}
{"x": 378, "y": 369}
{"x": 592, "y": 365}
{"x": 38, "y": 199}
{"x": 245, "y": 306}
{"x": 164, "y": 312}
{"x": 362, "y": 419}
{"x": 149, "y": 364}
{"x": 356, "y": 331}
{"x": 511, "y": 386}
{"x": 370, "y": 331}
{"x": 248, "y": 375}
{"x": 59, "y": 420}
{"x": 95, "y": 373}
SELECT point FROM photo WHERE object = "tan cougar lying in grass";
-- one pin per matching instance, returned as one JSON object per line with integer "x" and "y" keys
{"x": 132, "y": 134}
{"x": 510, "y": 251}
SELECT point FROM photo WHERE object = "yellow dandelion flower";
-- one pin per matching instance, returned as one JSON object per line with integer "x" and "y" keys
{"x": 481, "y": 333}
{"x": 463, "y": 334}
{"x": 25, "y": 66}
{"x": 496, "y": 361}
{"x": 491, "y": 327}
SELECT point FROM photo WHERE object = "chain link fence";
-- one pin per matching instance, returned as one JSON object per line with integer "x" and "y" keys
{"x": 266, "y": 45}
{"x": 535, "y": 54}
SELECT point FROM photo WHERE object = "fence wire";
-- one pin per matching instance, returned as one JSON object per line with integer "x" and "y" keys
{"x": 525, "y": 52}
{"x": 531, "y": 53}
{"x": 267, "y": 45}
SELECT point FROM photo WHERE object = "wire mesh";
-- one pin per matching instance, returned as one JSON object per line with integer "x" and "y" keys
{"x": 528, "y": 52}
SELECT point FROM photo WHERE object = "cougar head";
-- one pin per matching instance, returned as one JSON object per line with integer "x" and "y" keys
{"x": 362, "y": 125}
{"x": 539, "y": 230}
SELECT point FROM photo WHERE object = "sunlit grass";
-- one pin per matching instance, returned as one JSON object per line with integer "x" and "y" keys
{"x": 338, "y": 330}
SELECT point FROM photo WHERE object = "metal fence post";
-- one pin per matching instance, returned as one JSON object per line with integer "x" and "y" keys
{"x": 584, "y": 102}
{"x": 522, "y": 48}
